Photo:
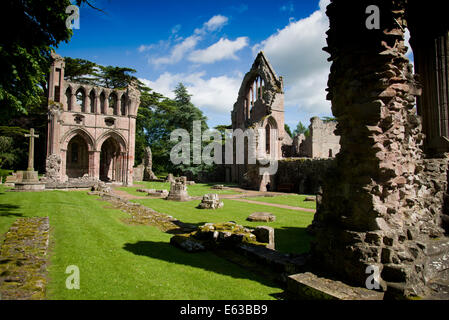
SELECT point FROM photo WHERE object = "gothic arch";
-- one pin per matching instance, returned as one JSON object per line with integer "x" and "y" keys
{"x": 81, "y": 132}
{"x": 116, "y": 136}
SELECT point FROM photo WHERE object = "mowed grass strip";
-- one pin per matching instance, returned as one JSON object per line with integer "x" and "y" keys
{"x": 290, "y": 225}
{"x": 193, "y": 190}
{"x": 119, "y": 261}
{"x": 294, "y": 200}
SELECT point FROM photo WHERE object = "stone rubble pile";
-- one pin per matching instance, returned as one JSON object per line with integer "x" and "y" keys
{"x": 229, "y": 234}
{"x": 211, "y": 201}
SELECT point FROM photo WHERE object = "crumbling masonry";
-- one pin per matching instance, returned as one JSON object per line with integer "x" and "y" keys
{"x": 383, "y": 204}
{"x": 91, "y": 131}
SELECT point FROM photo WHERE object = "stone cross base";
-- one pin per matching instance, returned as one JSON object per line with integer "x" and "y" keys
{"x": 29, "y": 186}
{"x": 30, "y": 176}
{"x": 30, "y": 182}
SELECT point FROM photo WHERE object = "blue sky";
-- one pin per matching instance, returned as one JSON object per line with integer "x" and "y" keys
{"x": 209, "y": 46}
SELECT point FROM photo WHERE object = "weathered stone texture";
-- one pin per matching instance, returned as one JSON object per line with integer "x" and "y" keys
{"x": 262, "y": 217}
{"x": 384, "y": 198}
{"x": 308, "y": 286}
{"x": 148, "y": 173}
{"x": 91, "y": 129}
{"x": 23, "y": 260}
{"x": 178, "y": 190}
{"x": 210, "y": 201}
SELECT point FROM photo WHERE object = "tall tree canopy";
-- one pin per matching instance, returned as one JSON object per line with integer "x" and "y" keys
{"x": 288, "y": 130}
{"x": 301, "y": 129}
{"x": 31, "y": 29}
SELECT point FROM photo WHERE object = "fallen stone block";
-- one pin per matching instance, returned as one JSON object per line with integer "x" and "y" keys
{"x": 261, "y": 217}
{"x": 210, "y": 201}
{"x": 308, "y": 286}
{"x": 266, "y": 235}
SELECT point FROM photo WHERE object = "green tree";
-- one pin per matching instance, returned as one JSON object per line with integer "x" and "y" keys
{"x": 34, "y": 27}
{"x": 80, "y": 70}
{"x": 328, "y": 119}
{"x": 116, "y": 77}
{"x": 288, "y": 130}
{"x": 301, "y": 129}
{"x": 7, "y": 155}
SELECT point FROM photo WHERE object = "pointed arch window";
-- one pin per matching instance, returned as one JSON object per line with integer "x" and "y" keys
{"x": 68, "y": 96}
{"x": 268, "y": 138}
{"x": 81, "y": 99}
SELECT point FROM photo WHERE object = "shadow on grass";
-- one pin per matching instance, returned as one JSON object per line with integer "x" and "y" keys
{"x": 7, "y": 210}
{"x": 292, "y": 240}
{"x": 203, "y": 260}
{"x": 185, "y": 227}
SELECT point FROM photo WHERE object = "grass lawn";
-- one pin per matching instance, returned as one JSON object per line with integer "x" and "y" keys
{"x": 290, "y": 234}
{"x": 195, "y": 190}
{"x": 294, "y": 200}
{"x": 119, "y": 261}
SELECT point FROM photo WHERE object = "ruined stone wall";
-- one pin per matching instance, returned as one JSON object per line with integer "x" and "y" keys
{"x": 325, "y": 144}
{"x": 300, "y": 175}
{"x": 80, "y": 111}
{"x": 306, "y": 175}
{"x": 381, "y": 205}
{"x": 138, "y": 172}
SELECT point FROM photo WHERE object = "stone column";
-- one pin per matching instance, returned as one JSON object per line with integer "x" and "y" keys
{"x": 63, "y": 165}
{"x": 131, "y": 150}
{"x": 431, "y": 54}
{"x": 373, "y": 208}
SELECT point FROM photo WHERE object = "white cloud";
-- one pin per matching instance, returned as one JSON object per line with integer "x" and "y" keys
{"x": 216, "y": 22}
{"x": 296, "y": 54}
{"x": 215, "y": 94}
{"x": 178, "y": 51}
{"x": 221, "y": 50}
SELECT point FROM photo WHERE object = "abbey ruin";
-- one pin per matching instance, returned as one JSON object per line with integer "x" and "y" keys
{"x": 91, "y": 131}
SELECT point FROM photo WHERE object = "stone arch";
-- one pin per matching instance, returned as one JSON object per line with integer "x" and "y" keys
{"x": 113, "y": 103}
{"x": 77, "y": 154}
{"x": 123, "y": 101}
{"x": 80, "y": 96}
{"x": 117, "y": 136}
{"x": 92, "y": 97}
{"x": 271, "y": 135}
{"x": 68, "y": 98}
{"x": 113, "y": 157}
{"x": 77, "y": 157}
{"x": 103, "y": 102}
{"x": 81, "y": 132}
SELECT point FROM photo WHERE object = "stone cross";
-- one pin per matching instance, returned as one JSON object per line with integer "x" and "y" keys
{"x": 31, "y": 149}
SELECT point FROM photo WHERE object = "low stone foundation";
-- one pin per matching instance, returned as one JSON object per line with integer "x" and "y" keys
{"x": 296, "y": 175}
{"x": 307, "y": 286}
{"x": 23, "y": 260}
